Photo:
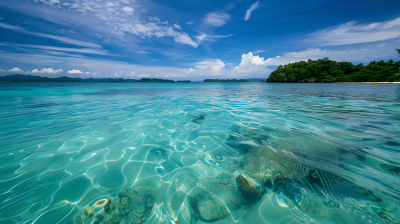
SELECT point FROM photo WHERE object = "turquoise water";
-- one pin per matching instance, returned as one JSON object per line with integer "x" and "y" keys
{"x": 199, "y": 153}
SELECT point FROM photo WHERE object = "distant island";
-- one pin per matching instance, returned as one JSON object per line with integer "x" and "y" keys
{"x": 183, "y": 81}
{"x": 32, "y": 78}
{"x": 154, "y": 80}
{"x": 225, "y": 80}
{"x": 325, "y": 70}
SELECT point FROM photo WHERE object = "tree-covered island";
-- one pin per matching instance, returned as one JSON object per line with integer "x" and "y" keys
{"x": 154, "y": 80}
{"x": 325, "y": 70}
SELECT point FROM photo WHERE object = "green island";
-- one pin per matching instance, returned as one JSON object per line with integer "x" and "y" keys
{"x": 183, "y": 81}
{"x": 325, "y": 70}
{"x": 225, "y": 80}
{"x": 154, "y": 80}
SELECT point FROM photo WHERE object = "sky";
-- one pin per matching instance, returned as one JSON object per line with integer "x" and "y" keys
{"x": 190, "y": 39}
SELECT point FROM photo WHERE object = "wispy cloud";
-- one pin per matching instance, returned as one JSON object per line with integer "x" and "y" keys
{"x": 354, "y": 33}
{"x": 251, "y": 9}
{"x": 54, "y": 37}
{"x": 217, "y": 19}
{"x": 207, "y": 37}
{"x": 258, "y": 51}
{"x": 65, "y": 49}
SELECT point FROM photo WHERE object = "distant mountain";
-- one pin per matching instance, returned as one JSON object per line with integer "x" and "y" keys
{"x": 32, "y": 78}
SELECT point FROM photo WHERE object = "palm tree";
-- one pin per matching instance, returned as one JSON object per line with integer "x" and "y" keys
{"x": 398, "y": 51}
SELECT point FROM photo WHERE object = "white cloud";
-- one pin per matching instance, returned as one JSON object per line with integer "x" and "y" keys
{"x": 191, "y": 70}
{"x": 118, "y": 74}
{"x": 110, "y": 4}
{"x": 54, "y": 37}
{"x": 46, "y": 70}
{"x": 258, "y": 51}
{"x": 251, "y": 64}
{"x": 50, "y": 2}
{"x": 174, "y": 76}
{"x": 217, "y": 19}
{"x": 119, "y": 25}
{"x": 65, "y": 49}
{"x": 189, "y": 22}
{"x": 156, "y": 29}
{"x": 128, "y": 10}
{"x": 205, "y": 37}
{"x": 74, "y": 71}
{"x": 212, "y": 67}
{"x": 1, "y": 70}
{"x": 16, "y": 69}
{"x": 177, "y": 27}
{"x": 353, "y": 33}
{"x": 131, "y": 74}
{"x": 251, "y": 9}
{"x": 11, "y": 27}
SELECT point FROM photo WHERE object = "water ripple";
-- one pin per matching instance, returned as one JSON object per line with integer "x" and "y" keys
{"x": 199, "y": 152}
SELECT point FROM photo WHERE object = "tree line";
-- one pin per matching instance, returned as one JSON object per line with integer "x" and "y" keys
{"x": 325, "y": 70}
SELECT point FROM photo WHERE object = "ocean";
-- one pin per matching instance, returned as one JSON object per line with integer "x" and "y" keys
{"x": 199, "y": 153}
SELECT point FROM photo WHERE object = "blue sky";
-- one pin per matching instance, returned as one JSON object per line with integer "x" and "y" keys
{"x": 190, "y": 39}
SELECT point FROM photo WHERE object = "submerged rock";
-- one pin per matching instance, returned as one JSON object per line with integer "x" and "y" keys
{"x": 251, "y": 192}
{"x": 207, "y": 207}
{"x": 131, "y": 206}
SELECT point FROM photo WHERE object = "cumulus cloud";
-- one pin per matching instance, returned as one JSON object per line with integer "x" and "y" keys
{"x": 177, "y": 27}
{"x": 16, "y": 69}
{"x": 75, "y": 71}
{"x": 212, "y": 67}
{"x": 217, "y": 19}
{"x": 127, "y": 9}
{"x": 191, "y": 70}
{"x": 175, "y": 76}
{"x": 354, "y": 33}
{"x": 131, "y": 74}
{"x": 46, "y": 71}
{"x": 250, "y": 10}
{"x": 189, "y": 22}
{"x": 252, "y": 64}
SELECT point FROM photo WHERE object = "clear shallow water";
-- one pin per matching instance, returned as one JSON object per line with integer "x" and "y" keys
{"x": 199, "y": 152}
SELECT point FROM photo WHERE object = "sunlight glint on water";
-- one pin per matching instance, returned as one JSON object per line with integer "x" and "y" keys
{"x": 199, "y": 152}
